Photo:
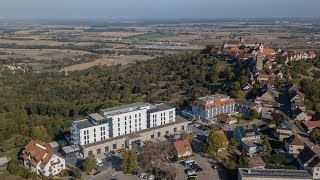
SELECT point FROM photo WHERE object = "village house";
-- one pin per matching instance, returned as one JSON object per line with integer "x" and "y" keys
{"x": 284, "y": 130}
{"x": 245, "y": 107}
{"x": 182, "y": 148}
{"x": 249, "y": 138}
{"x": 256, "y": 162}
{"x": 297, "y": 99}
{"x": 41, "y": 158}
{"x": 269, "y": 96}
{"x": 310, "y": 125}
{"x": 300, "y": 115}
{"x": 293, "y": 145}
{"x": 309, "y": 160}
{"x": 226, "y": 119}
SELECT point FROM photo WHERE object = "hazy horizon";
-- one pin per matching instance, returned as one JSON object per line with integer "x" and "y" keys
{"x": 152, "y": 9}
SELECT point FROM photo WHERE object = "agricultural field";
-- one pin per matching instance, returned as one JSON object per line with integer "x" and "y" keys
{"x": 60, "y": 45}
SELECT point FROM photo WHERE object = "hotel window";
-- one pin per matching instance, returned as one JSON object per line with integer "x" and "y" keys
{"x": 170, "y": 112}
{"x": 139, "y": 114}
{"x": 125, "y": 123}
{"x": 152, "y": 136}
{"x": 135, "y": 115}
{"x": 167, "y": 132}
{"x": 114, "y": 146}
{"x": 118, "y": 124}
{"x": 90, "y": 152}
{"x": 139, "y": 128}
{"x": 175, "y": 130}
{"x": 182, "y": 128}
{"x": 130, "y": 117}
{"x": 136, "y": 129}
{"x": 84, "y": 132}
{"x": 159, "y": 134}
{"x": 106, "y": 149}
{"x": 118, "y": 119}
{"x": 94, "y": 130}
{"x": 125, "y": 118}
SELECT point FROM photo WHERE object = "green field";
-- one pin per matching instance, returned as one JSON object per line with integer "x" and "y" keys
{"x": 57, "y": 55}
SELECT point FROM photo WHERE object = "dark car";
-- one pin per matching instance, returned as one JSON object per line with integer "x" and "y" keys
{"x": 196, "y": 167}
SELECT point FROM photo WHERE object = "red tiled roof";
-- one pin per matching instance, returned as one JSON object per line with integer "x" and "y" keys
{"x": 182, "y": 146}
{"x": 312, "y": 124}
{"x": 224, "y": 118}
{"x": 39, "y": 152}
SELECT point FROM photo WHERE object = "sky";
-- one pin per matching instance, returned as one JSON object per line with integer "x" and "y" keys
{"x": 156, "y": 9}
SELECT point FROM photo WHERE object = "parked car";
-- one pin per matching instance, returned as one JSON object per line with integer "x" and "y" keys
{"x": 216, "y": 166}
{"x": 142, "y": 175}
{"x": 151, "y": 177}
{"x": 190, "y": 172}
{"x": 193, "y": 176}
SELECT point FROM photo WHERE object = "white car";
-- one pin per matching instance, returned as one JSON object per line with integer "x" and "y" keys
{"x": 142, "y": 175}
{"x": 191, "y": 172}
{"x": 151, "y": 177}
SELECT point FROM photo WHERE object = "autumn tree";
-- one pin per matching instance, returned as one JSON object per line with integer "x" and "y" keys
{"x": 215, "y": 142}
{"x": 39, "y": 133}
{"x": 89, "y": 163}
{"x": 315, "y": 134}
{"x": 129, "y": 162}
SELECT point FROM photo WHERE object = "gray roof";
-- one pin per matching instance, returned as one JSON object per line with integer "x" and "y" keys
{"x": 248, "y": 130}
{"x": 275, "y": 173}
{"x": 82, "y": 124}
{"x": 285, "y": 126}
{"x": 159, "y": 107}
{"x": 123, "y": 109}
{"x": 245, "y": 102}
{"x": 96, "y": 116}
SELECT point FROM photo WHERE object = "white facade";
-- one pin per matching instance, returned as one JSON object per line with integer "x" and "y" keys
{"x": 162, "y": 117}
{"x": 118, "y": 121}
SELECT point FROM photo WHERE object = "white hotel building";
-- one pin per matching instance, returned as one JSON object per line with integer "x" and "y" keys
{"x": 123, "y": 123}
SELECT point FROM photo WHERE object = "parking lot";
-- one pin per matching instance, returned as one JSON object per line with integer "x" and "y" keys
{"x": 207, "y": 173}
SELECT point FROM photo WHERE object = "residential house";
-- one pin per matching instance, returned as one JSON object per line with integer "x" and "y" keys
{"x": 310, "y": 125}
{"x": 247, "y": 88}
{"x": 249, "y": 138}
{"x": 300, "y": 115}
{"x": 293, "y": 145}
{"x": 284, "y": 130}
{"x": 40, "y": 158}
{"x": 309, "y": 160}
{"x": 297, "y": 100}
{"x": 244, "y": 107}
{"x": 182, "y": 148}
{"x": 269, "y": 96}
{"x": 226, "y": 119}
{"x": 256, "y": 162}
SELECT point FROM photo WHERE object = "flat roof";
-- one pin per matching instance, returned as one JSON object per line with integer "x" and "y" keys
{"x": 124, "y": 108}
{"x": 213, "y": 97}
{"x": 159, "y": 107}
{"x": 275, "y": 173}
{"x": 70, "y": 149}
{"x": 82, "y": 124}
{"x": 96, "y": 116}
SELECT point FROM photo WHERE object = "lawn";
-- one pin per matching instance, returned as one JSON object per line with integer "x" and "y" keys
{"x": 57, "y": 55}
{"x": 12, "y": 154}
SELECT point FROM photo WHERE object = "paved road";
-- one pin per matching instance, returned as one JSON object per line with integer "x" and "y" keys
{"x": 285, "y": 104}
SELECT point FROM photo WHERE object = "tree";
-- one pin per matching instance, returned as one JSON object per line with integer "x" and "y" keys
{"x": 315, "y": 135}
{"x": 76, "y": 173}
{"x": 129, "y": 162}
{"x": 89, "y": 163}
{"x": 233, "y": 144}
{"x": 215, "y": 142}
{"x": 39, "y": 133}
{"x": 208, "y": 49}
{"x": 254, "y": 114}
{"x": 240, "y": 94}
{"x": 185, "y": 135}
{"x": 267, "y": 144}
{"x": 277, "y": 117}
{"x": 277, "y": 159}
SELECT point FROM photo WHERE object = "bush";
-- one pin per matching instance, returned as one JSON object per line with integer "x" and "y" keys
{"x": 15, "y": 168}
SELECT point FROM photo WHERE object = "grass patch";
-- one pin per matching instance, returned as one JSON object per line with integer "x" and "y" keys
{"x": 12, "y": 154}
{"x": 57, "y": 55}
